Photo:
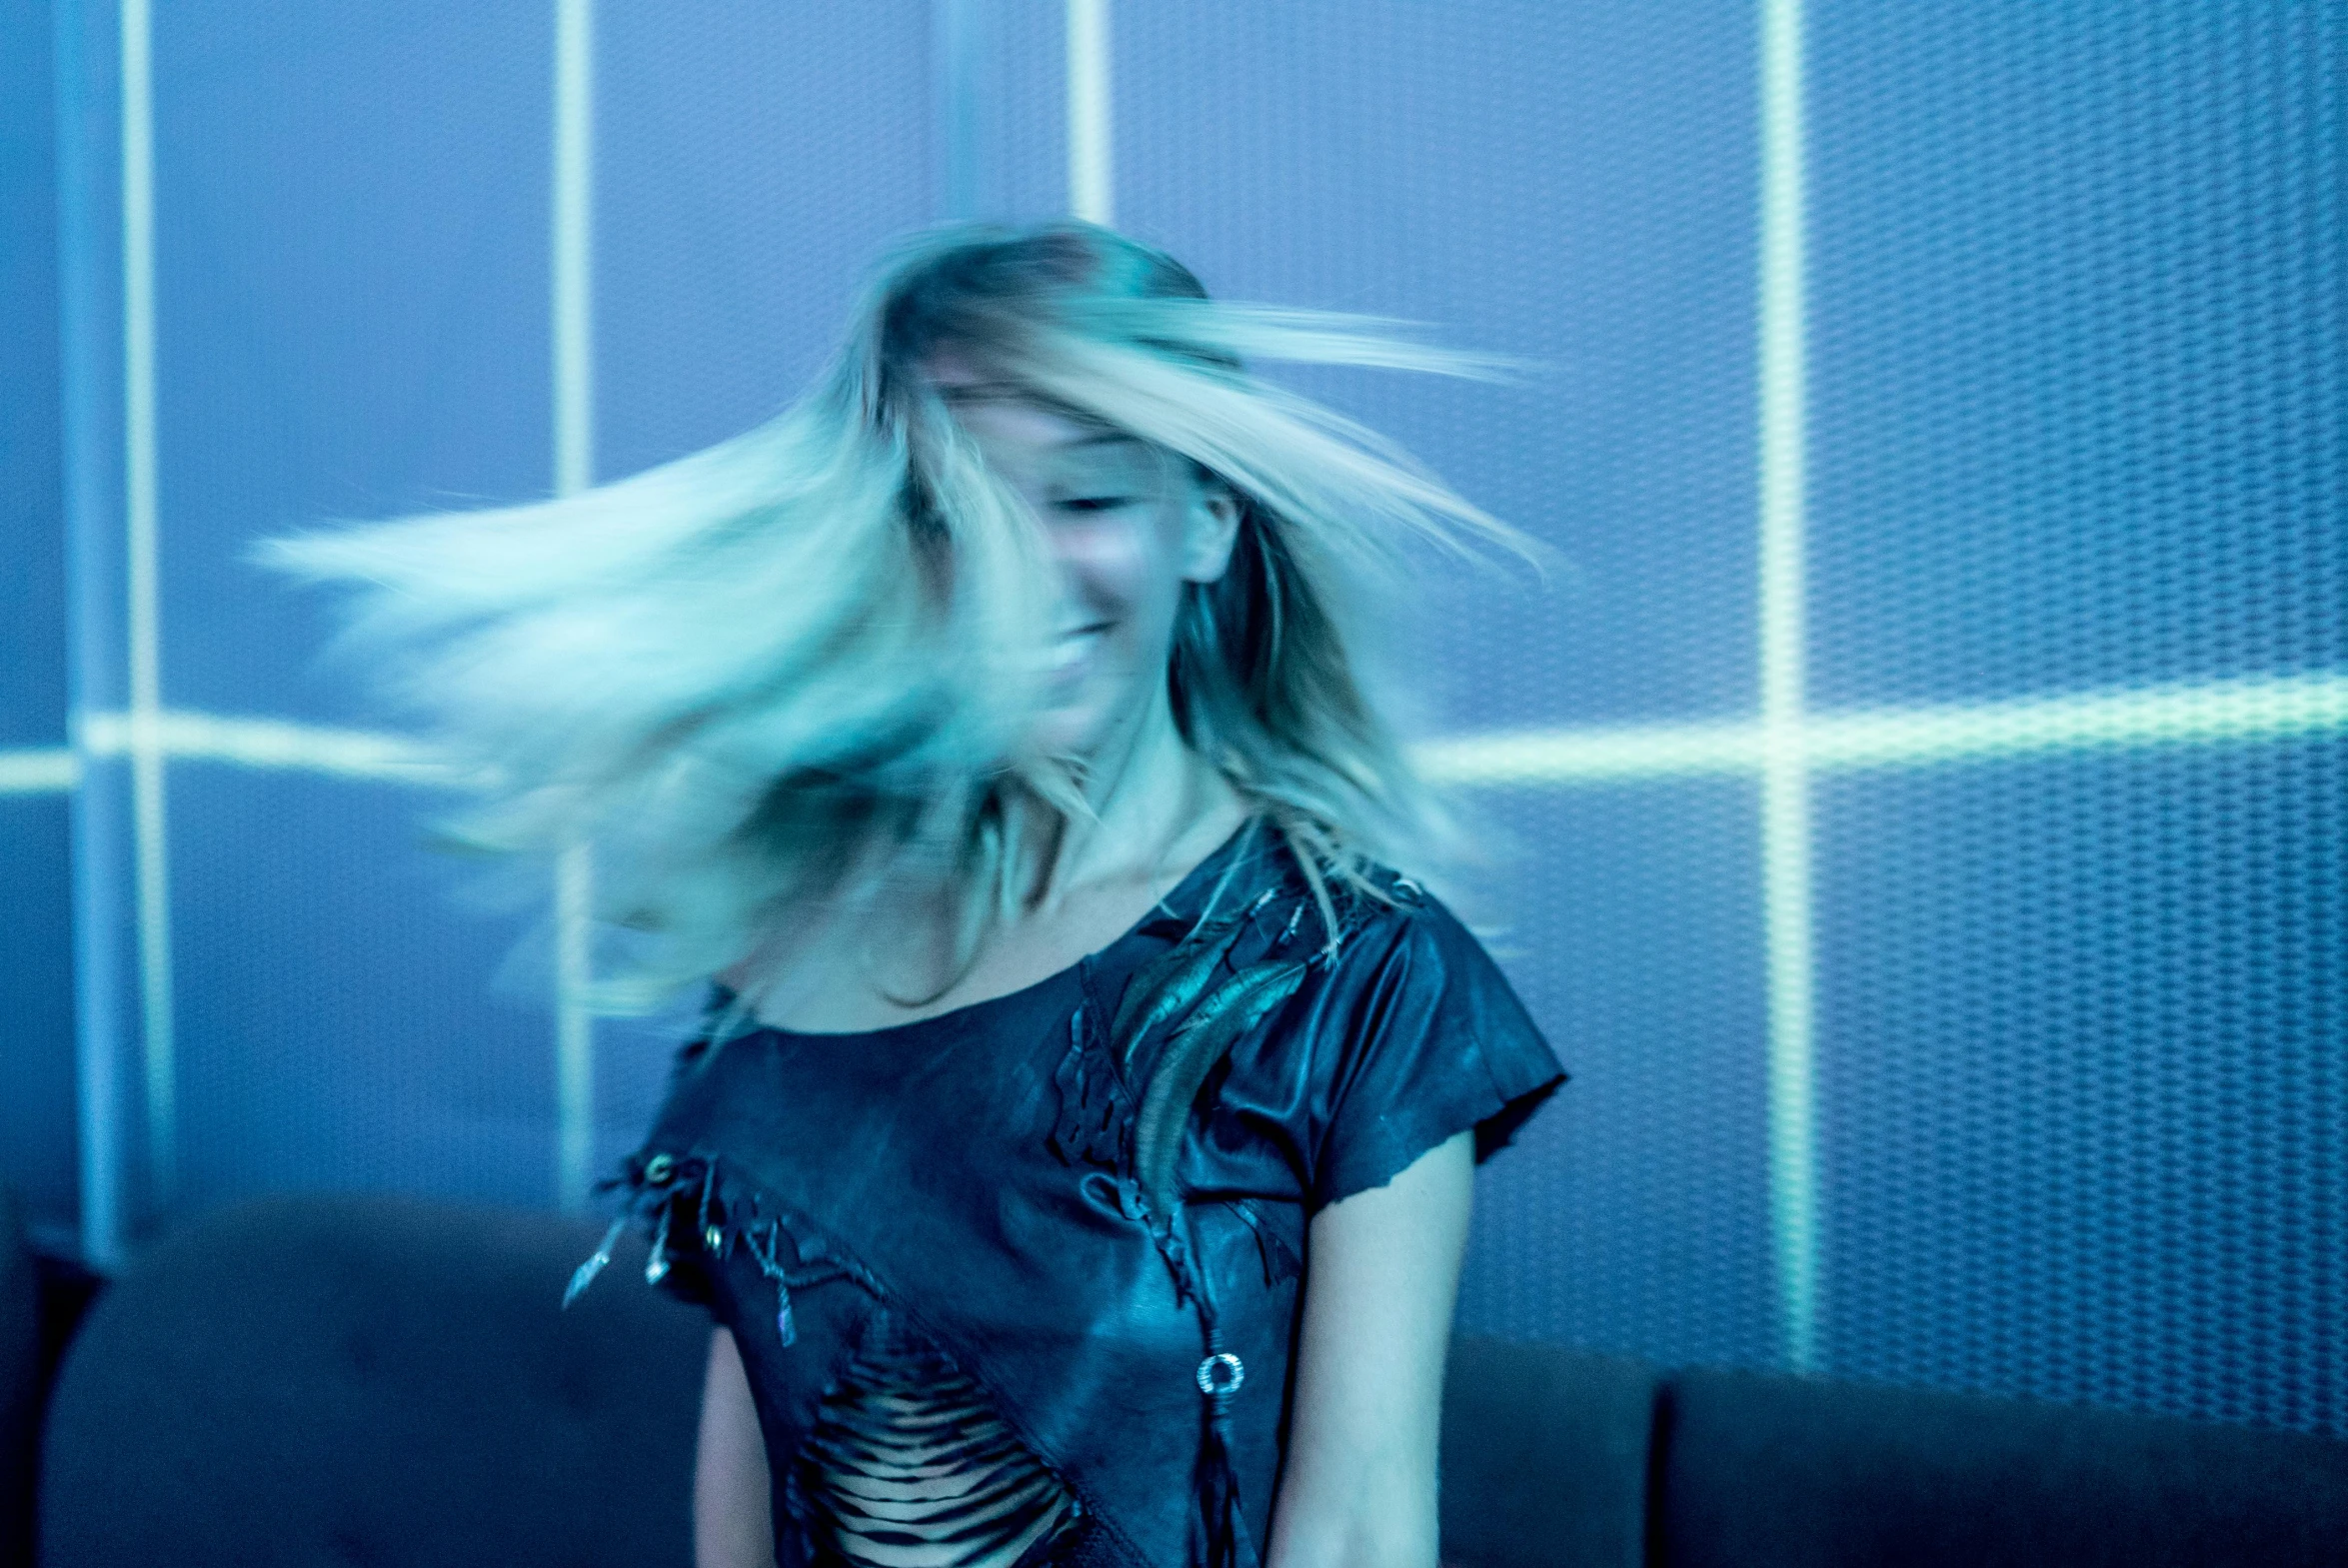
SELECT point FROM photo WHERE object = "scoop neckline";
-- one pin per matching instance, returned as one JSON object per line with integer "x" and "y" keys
{"x": 1166, "y": 906}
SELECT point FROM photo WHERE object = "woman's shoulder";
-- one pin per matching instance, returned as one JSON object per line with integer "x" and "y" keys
{"x": 1359, "y": 912}
{"x": 1417, "y": 1034}
{"x": 1365, "y": 949}
{"x": 1402, "y": 948}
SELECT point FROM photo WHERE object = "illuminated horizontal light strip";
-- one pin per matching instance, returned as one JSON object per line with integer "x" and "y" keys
{"x": 1594, "y": 755}
{"x": 2253, "y": 709}
{"x": 273, "y": 745}
{"x": 39, "y": 769}
{"x": 2269, "y": 707}
{"x": 2243, "y": 709}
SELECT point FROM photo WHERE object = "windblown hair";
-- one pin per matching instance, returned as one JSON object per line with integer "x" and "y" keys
{"x": 806, "y": 660}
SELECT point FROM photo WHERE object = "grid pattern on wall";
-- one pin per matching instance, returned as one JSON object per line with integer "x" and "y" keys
{"x": 1925, "y": 789}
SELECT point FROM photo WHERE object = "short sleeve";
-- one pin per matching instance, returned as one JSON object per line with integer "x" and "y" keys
{"x": 1433, "y": 1042}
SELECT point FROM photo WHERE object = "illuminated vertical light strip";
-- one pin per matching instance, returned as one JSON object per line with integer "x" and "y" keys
{"x": 1089, "y": 185}
{"x": 1785, "y": 782}
{"x": 574, "y": 1030}
{"x": 956, "y": 28}
{"x": 573, "y": 196}
{"x": 150, "y": 848}
{"x": 574, "y": 418}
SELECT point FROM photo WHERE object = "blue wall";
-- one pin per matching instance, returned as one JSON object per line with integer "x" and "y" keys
{"x": 37, "y": 1146}
{"x": 2072, "y": 1108}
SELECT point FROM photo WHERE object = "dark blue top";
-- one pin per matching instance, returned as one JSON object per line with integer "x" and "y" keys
{"x": 975, "y": 1175}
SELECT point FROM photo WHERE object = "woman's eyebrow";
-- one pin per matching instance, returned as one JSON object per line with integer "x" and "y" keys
{"x": 1102, "y": 438}
{"x": 982, "y": 392}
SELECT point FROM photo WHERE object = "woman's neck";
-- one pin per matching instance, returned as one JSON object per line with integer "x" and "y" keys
{"x": 1151, "y": 800}
{"x": 1155, "y": 809}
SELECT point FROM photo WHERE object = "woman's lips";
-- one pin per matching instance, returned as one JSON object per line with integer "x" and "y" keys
{"x": 1072, "y": 648}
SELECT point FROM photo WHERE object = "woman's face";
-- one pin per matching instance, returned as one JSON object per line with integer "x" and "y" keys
{"x": 1127, "y": 524}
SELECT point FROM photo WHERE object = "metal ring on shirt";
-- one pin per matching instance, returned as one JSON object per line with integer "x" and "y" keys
{"x": 1211, "y": 1380}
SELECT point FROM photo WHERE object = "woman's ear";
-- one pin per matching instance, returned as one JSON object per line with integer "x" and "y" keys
{"x": 1209, "y": 528}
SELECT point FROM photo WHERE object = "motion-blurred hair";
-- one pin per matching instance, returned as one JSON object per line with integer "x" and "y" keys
{"x": 804, "y": 663}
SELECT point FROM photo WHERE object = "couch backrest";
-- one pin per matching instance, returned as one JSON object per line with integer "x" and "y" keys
{"x": 367, "y": 1380}
{"x": 319, "y": 1381}
{"x": 1755, "y": 1471}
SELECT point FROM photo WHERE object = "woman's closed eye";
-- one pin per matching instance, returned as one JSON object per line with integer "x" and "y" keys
{"x": 1093, "y": 504}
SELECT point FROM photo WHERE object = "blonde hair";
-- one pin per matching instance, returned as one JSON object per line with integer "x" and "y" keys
{"x": 807, "y": 658}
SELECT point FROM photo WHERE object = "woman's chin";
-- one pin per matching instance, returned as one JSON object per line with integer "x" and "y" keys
{"x": 1100, "y": 706}
{"x": 1069, "y": 733}
{"x": 1082, "y": 725}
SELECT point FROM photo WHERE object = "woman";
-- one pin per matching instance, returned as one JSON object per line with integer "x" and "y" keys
{"x": 1075, "y": 1154}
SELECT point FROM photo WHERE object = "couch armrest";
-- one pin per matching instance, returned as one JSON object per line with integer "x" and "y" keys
{"x": 20, "y": 1382}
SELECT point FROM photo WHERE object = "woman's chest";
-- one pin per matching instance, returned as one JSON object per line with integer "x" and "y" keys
{"x": 928, "y": 1178}
{"x": 864, "y": 971}
{"x": 930, "y": 1115}
{"x": 976, "y": 1167}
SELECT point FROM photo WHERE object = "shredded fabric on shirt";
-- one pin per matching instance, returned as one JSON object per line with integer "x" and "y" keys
{"x": 910, "y": 1467}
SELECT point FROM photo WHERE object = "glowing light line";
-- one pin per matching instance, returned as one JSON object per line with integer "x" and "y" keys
{"x": 1088, "y": 145}
{"x": 39, "y": 769}
{"x": 1785, "y": 782}
{"x": 269, "y": 743}
{"x": 573, "y": 306}
{"x": 955, "y": 26}
{"x": 1594, "y": 755}
{"x": 2254, "y": 708}
{"x": 2266, "y": 707}
{"x": 574, "y": 1030}
{"x": 573, "y": 302}
{"x": 2245, "y": 709}
{"x": 150, "y": 847}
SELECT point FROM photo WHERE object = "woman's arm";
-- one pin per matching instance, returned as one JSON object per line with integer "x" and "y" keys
{"x": 1359, "y": 1488}
{"x": 733, "y": 1526}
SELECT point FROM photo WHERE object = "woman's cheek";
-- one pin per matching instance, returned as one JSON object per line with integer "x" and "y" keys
{"x": 1119, "y": 562}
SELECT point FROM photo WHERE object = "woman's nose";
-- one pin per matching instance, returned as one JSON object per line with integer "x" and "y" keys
{"x": 1074, "y": 544}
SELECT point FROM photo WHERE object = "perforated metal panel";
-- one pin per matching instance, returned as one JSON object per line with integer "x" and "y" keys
{"x": 2073, "y": 325}
{"x": 2079, "y": 294}
{"x": 2085, "y": 1078}
{"x": 36, "y": 980}
{"x": 1571, "y": 185}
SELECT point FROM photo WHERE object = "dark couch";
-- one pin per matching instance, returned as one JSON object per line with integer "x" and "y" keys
{"x": 369, "y": 1382}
